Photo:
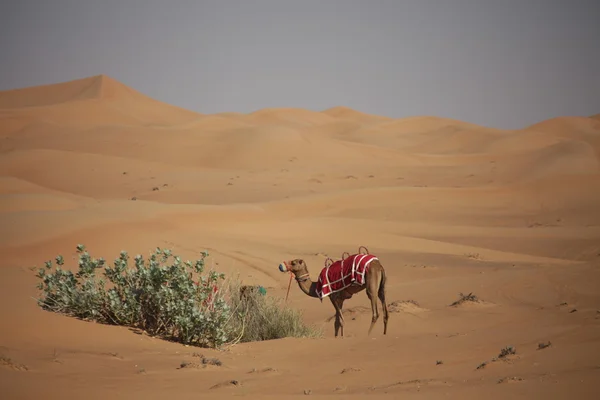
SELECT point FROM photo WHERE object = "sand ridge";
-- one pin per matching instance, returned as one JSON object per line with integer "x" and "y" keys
{"x": 448, "y": 206}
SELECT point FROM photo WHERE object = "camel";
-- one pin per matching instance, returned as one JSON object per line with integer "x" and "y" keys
{"x": 374, "y": 283}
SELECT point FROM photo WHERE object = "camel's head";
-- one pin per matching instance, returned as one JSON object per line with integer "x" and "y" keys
{"x": 293, "y": 266}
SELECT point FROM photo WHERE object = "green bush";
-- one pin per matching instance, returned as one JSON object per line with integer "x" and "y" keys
{"x": 161, "y": 297}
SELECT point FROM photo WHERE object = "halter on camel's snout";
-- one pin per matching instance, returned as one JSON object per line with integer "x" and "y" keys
{"x": 283, "y": 267}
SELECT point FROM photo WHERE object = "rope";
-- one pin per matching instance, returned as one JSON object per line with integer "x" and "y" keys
{"x": 289, "y": 286}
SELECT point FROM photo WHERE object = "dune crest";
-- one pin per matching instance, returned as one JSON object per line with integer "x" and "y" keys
{"x": 424, "y": 123}
{"x": 94, "y": 87}
{"x": 349, "y": 114}
{"x": 101, "y": 100}
{"x": 295, "y": 117}
{"x": 589, "y": 125}
{"x": 585, "y": 129}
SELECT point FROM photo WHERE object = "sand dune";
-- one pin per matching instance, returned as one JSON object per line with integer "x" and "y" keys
{"x": 448, "y": 206}
{"x": 213, "y": 123}
{"x": 574, "y": 128}
{"x": 568, "y": 125}
{"x": 47, "y": 95}
{"x": 423, "y": 134}
{"x": 97, "y": 100}
{"x": 348, "y": 114}
{"x": 560, "y": 159}
{"x": 289, "y": 117}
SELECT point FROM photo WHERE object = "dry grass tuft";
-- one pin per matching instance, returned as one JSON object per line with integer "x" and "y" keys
{"x": 463, "y": 298}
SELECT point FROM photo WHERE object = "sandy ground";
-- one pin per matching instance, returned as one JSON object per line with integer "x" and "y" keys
{"x": 447, "y": 206}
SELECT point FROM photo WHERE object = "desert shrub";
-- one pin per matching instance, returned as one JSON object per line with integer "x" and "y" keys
{"x": 259, "y": 317}
{"x": 158, "y": 296}
{"x": 161, "y": 297}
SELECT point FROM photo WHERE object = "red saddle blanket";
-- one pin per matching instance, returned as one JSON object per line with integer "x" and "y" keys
{"x": 343, "y": 273}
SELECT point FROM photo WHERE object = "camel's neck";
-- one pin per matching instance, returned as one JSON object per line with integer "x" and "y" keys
{"x": 307, "y": 285}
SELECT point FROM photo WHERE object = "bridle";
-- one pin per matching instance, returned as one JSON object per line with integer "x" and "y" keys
{"x": 302, "y": 278}
{"x": 299, "y": 279}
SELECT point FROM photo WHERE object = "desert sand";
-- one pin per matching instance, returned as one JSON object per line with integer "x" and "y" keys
{"x": 448, "y": 206}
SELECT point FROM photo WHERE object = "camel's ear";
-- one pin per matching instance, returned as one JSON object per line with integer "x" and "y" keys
{"x": 301, "y": 262}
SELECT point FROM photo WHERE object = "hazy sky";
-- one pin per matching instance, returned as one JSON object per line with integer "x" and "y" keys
{"x": 502, "y": 63}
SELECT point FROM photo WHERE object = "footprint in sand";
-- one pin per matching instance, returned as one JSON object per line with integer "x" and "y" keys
{"x": 230, "y": 383}
{"x": 9, "y": 363}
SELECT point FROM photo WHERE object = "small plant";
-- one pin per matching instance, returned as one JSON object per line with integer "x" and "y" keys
{"x": 207, "y": 361}
{"x": 510, "y": 379}
{"x": 482, "y": 365}
{"x": 462, "y": 298}
{"x": 413, "y": 302}
{"x": 211, "y": 361}
{"x": 186, "y": 364}
{"x": 507, "y": 351}
{"x": 439, "y": 362}
{"x": 544, "y": 345}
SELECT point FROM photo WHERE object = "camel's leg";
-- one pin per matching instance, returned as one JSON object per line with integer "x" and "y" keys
{"x": 372, "y": 289}
{"x": 338, "y": 315}
{"x": 342, "y": 322}
{"x": 381, "y": 294}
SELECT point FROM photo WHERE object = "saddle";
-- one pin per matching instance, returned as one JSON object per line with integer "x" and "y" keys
{"x": 329, "y": 261}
